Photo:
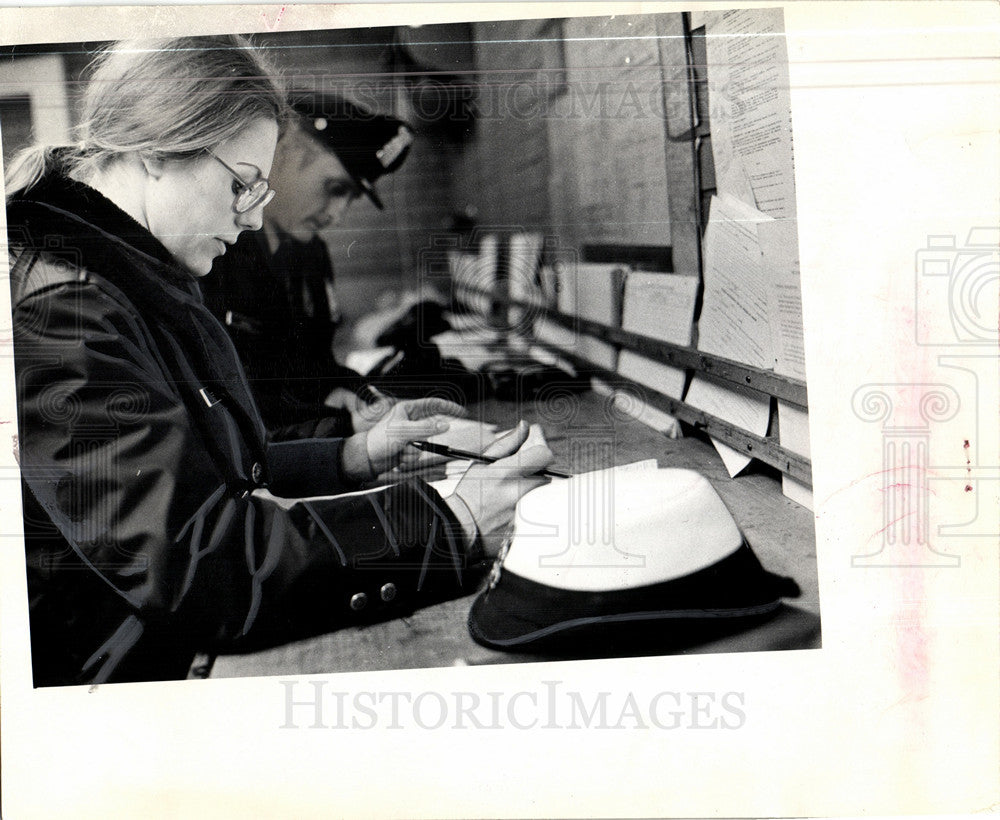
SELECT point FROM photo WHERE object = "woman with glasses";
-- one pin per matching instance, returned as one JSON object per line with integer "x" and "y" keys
{"x": 159, "y": 522}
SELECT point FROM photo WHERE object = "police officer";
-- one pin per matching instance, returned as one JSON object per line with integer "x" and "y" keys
{"x": 273, "y": 290}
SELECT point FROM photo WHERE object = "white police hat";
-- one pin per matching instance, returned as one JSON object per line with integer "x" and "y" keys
{"x": 608, "y": 558}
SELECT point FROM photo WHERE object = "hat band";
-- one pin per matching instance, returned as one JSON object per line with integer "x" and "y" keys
{"x": 390, "y": 152}
{"x": 520, "y": 611}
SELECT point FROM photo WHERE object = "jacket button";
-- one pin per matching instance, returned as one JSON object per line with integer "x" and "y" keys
{"x": 257, "y": 473}
{"x": 388, "y": 592}
{"x": 358, "y": 601}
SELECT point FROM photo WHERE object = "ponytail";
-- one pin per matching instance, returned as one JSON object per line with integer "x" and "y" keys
{"x": 30, "y": 164}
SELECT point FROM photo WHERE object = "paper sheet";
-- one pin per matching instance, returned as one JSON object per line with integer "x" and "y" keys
{"x": 658, "y": 376}
{"x": 475, "y": 271}
{"x": 522, "y": 278}
{"x": 565, "y": 277}
{"x": 739, "y": 407}
{"x": 751, "y": 108}
{"x": 661, "y": 306}
{"x": 593, "y": 291}
{"x": 555, "y": 334}
{"x": 780, "y": 253}
{"x": 362, "y": 361}
{"x": 793, "y": 432}
{"x": 550, "y": 286}
{"x": 469, "y": 347}
{"x": 522, "y": 266}
{"x": 734, "y": 320}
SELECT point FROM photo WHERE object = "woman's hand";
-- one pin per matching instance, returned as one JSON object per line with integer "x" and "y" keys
{"x": 372, "y": 452}
{"x": 488, "y": 493}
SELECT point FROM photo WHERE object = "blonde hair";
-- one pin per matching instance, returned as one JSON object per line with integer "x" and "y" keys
{"x": 165, "y": 99}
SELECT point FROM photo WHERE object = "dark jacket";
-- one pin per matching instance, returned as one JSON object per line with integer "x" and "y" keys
{"x": 158, "y": 521}
{"x": 276, "y": 310}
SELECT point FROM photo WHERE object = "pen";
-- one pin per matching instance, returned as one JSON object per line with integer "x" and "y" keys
{"x": 451, "y": 452}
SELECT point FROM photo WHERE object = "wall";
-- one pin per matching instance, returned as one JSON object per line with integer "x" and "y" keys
{"x": 373, "y": 251}
{"x": 569, "y": 136}
{"x": 573, "y": 133}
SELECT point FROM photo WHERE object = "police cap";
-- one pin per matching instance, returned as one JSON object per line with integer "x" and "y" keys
{"x": 366, "y": 143}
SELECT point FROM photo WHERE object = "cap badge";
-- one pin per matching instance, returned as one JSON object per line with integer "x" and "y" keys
{"x": 390, "y": 152}
{"x": 498, "y": 563}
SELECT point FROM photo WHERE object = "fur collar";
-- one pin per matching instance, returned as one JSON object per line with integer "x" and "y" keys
{"x": 70, "y": 221}
{"x": 74, "y": 222}
{"x": 63, "y": 196}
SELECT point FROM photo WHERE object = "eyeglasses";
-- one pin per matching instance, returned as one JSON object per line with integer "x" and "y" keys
{"x": 248, "y": 195}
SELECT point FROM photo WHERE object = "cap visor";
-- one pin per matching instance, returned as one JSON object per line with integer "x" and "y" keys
{"x": 369, "y": 189}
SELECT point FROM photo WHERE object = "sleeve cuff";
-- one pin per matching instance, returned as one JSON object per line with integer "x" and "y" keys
{"x": 307, "y": 467}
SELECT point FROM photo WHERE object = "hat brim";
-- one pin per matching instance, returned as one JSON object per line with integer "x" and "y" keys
{"x": 518, "y": 614}
{"x": 369, "y": 190}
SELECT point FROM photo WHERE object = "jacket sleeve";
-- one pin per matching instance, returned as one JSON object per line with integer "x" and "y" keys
{"x": 124, "y": 470}
{"x": 309, "y": 466}
{"x": 332, "y": 422}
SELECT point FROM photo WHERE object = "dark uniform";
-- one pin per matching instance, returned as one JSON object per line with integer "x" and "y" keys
{"x": 148, "y": 533}
{"x": 277, "y": 312}
{"x": 275, "y": 305}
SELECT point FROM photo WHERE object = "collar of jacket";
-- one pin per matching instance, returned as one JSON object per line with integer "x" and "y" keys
{"x": 78, "y": 225}
{"x": 71, "y": 221}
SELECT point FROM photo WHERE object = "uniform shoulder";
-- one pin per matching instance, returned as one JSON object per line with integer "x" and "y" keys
{"x": 34, "y": 270}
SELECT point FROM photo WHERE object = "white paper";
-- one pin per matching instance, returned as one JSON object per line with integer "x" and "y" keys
{"x": 549, "y": 280}
{"x": 462, "y": 434}
{"x": 751, "y": 107}
{"x": 638, "y": 466}
{"x": 474, "y": 272}
{"x": 555, "y": 334}
{"x": 362, "y": 361}
{"x": 793, "y": 433}
{"x": 734, "y": 315}
{"x": 469, "y": 347}
{"x": 739, "y": 407}
{"x": 522, "y": 278}
{"x": 565, "y": 287}
{"x": 593, "y": 291}
{"x": 780, "y": 253}
{"x": 522, "y": 266}
{"x": 661, "y": 306}
{"x": 660, "y": 377}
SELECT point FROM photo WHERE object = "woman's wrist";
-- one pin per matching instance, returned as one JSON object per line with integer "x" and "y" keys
{"x": 354, "y": 458}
